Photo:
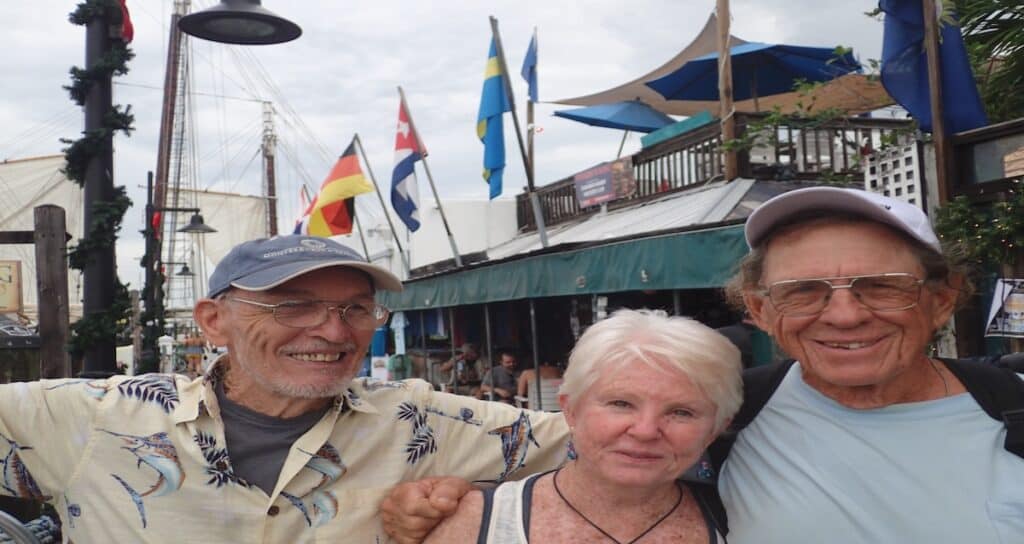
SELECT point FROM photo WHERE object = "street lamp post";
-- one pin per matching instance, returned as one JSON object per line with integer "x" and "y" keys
{"x": 153, "y": 293}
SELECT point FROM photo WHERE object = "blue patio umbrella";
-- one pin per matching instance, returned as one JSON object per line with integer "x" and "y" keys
{"x": 628, "y": 115}
{"x": 632, "y": 115}
{"x": 758, "y": 69}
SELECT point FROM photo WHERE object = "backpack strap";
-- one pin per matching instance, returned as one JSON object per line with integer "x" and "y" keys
{"x": 759, "y": 384}
{"x": 999, "y": 391}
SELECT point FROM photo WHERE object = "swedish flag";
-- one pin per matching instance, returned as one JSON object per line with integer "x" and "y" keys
{"x": 493, "y": 104}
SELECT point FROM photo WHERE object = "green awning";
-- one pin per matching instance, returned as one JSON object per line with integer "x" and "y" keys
{"x": 687, "y": 260}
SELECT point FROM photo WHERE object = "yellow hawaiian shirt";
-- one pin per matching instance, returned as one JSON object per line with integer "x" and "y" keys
{"x": 142, "y": 459}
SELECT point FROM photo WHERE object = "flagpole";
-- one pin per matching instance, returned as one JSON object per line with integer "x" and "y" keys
{"x": 357, "y": 226}
{"x": 538, "y": 213}
{"x": 530, "y": 125}
{"x": 430, "y": 178}
{"x": 394, "y": 234}
{"x": 726, "y": 110}
{"x": 942, "y": 148}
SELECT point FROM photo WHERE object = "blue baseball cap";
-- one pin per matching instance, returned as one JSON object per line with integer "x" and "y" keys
{"x": 265, "y": 263}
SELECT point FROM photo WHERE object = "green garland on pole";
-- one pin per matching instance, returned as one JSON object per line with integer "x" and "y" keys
{"x": 107, "y": 215}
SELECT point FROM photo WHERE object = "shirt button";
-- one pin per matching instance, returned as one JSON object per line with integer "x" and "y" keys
{"x": 273, "y": 510}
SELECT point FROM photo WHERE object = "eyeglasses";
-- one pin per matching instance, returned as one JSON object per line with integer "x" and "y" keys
{"x": 882, "y": 292}
{"x": 302, "y": 314}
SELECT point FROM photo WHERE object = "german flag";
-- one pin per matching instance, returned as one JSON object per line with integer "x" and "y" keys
{"x": 334, "y": 209}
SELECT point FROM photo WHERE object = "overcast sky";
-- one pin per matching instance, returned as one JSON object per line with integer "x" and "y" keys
{"x": 340, "y": 78}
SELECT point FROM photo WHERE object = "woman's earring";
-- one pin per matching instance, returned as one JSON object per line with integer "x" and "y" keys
{"x": 570, "y": 450}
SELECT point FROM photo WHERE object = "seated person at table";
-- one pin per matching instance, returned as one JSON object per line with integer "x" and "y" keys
{"x": 462, "y": 372}
{"x": 526, "y": 377}
{"x": 643, "y": 396}
{"x": 501, "y": 379}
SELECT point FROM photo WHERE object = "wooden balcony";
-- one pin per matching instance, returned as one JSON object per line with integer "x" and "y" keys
{"x": 830, "y": 149}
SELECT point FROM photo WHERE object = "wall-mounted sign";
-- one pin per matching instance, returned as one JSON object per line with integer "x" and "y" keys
{"x": 10, "y": 287}
{"x": 1006, "y": 315}
{"x": 604, "y": 182}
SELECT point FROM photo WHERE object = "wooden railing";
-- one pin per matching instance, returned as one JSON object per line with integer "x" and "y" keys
{"x": 831, "y": 149}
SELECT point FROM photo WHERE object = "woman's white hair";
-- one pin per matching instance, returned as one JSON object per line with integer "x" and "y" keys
{"x": 704, "y": 356}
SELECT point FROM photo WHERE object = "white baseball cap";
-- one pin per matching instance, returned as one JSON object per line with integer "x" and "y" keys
{"x": 900, "y": 215}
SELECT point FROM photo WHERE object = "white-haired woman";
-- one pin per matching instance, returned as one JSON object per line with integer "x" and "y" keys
{"x": 643, "y": 395}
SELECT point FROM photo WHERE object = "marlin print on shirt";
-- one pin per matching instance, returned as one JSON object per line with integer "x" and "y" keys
{"x": 158, "y": 453}
{"x": 515, "y": 441}
{"x": 17, "y": 479}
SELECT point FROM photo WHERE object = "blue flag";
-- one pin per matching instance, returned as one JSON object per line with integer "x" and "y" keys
{"x": 529, "y": 70}
{"x": 493, "y": 104}
{"x": 905, "y": 68}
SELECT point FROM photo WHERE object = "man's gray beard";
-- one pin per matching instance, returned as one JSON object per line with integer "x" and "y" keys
{"x": 310, "y": 391}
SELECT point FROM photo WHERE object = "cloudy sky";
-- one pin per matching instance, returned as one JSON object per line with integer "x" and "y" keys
{"x": 340, "y": 78}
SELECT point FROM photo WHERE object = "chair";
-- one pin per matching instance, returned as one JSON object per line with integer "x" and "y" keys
{"x": 548, "y": 396}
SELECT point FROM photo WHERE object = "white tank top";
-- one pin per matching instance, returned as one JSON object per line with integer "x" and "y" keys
{"x": 506, "y": 514}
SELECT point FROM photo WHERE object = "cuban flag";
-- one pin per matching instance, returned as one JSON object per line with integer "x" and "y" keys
{"x": 306, "y": 205}
{"x": 405, "y": 196}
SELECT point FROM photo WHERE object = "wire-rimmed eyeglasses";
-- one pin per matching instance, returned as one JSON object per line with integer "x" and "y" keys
{"x": 888, "y": 292}
{"x": 301, "y": 314}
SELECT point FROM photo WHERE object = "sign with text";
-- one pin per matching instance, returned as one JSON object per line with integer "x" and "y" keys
{"x": 1006, "y": 315}
{"x": 605, "y": 182}
{"x": 10, "y": 286}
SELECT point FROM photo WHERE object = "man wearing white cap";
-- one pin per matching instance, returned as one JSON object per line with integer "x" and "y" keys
{"x": 865, "y": 437}
{"x": 277, "y": 442}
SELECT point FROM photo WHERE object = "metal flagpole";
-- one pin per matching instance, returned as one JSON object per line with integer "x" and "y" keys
{"x": 536, "y": 356}
{"x": 394, "y": 234}
{"x": 538, "y": 214}
{"x": 430, "y": 178}
{"x": 357, "y": 226}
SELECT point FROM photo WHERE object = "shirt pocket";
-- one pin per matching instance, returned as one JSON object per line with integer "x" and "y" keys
{"x": 357, "y": 520}
{"x": 1008, "y": 519}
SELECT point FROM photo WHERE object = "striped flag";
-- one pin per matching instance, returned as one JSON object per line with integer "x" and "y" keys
{"x": 333, "y": 210}
{"x": 405, "y": 196}
{"x": 306, "y": 207}
{"x": 493, "y": 104}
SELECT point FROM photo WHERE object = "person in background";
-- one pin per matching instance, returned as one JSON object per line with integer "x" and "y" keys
{"x": 741, "y": 334}
{"x": 499, "y": 383}
{"x": 465, "y": 369}
{"x": 643, "y": 395}
{"x": 527, "y": 377}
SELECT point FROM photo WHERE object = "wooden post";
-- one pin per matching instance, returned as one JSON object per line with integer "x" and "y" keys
{"x": 52, "y": 285}
{"x": 943, "y": 156}
{"x": 726, "y": 113}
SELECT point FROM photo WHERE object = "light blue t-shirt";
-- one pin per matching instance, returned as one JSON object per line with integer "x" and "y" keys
{"x": 811, "y": 470}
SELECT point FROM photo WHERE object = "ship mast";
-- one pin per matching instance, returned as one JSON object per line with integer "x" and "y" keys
{"x": 269, "y": 184}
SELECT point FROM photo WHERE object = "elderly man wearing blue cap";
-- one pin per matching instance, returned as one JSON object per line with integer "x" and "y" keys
{"x": 864, "y": 437}
{"x": 277, "y": 442}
